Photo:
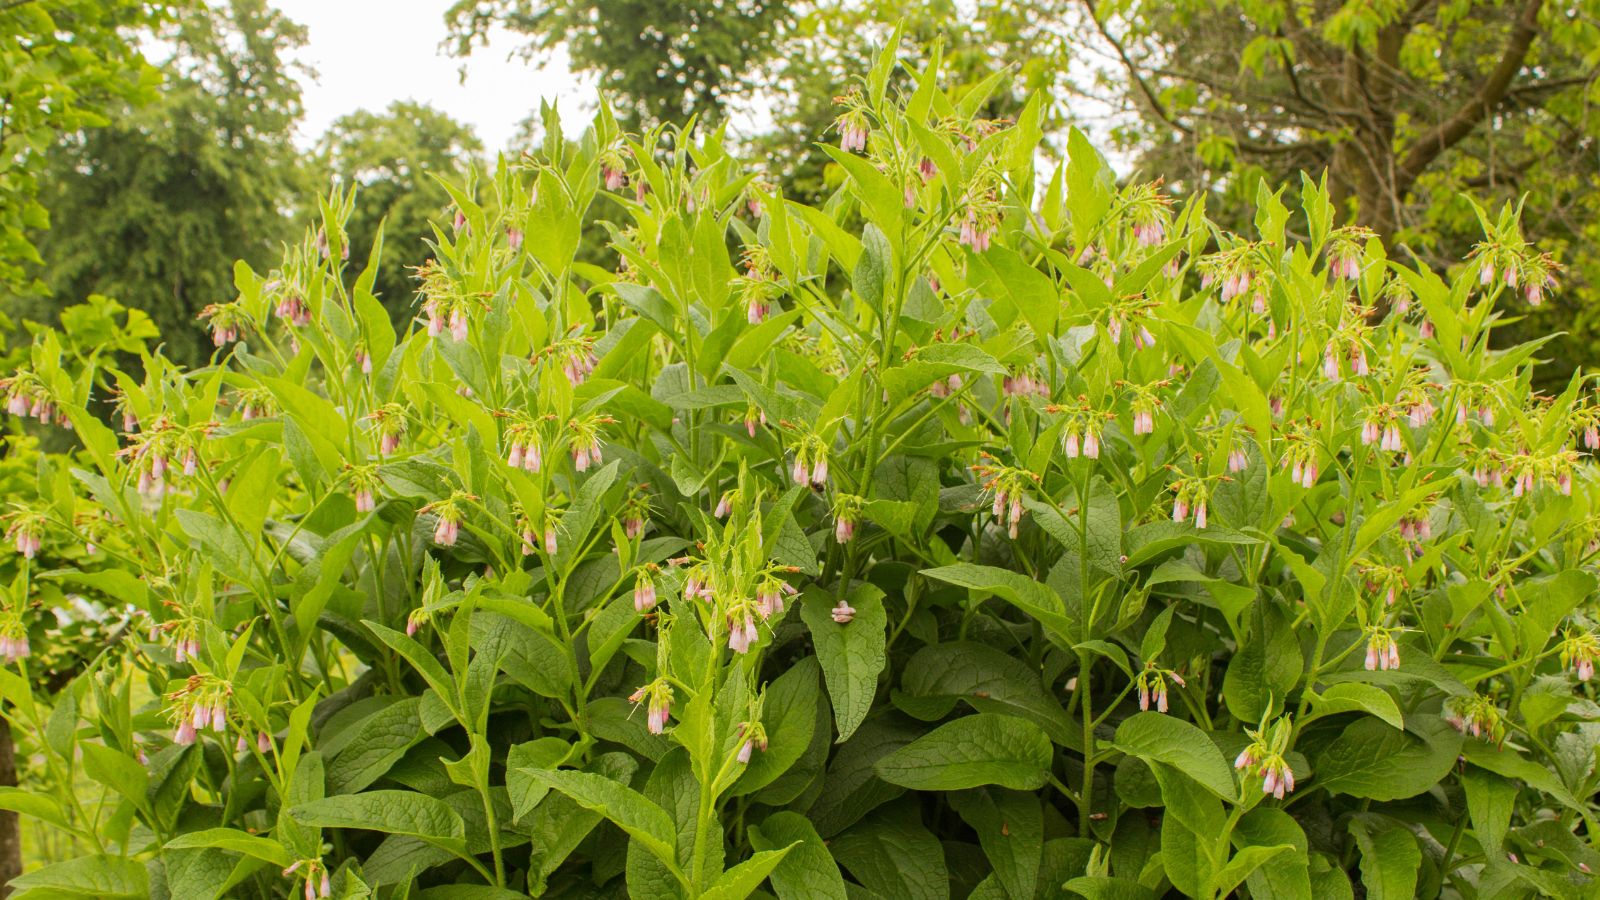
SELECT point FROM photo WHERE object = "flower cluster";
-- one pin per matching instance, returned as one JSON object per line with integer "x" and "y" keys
{"x": 1264, "y": 757}
{"x": 1006, "y": 486}
{"x": 201, "y": 703}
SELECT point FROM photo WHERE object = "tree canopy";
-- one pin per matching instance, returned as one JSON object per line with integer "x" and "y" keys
{"x": 153, "y": 208}
{"x": 64, "y": 66}
{"x": 394, "y": 158}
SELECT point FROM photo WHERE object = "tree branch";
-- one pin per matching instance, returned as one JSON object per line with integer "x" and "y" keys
{"x": 1488, "y": 96}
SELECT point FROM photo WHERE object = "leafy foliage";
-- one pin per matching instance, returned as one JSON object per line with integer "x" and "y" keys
{"x": 150, "y": 208}
{"x": 395, "y": 158}
{"x": 977, "y": 532}
{"x": 66, "y": 64}
{"x": 664, "y": 61}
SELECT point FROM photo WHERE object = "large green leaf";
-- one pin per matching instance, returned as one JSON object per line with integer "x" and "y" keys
{"x": 851, "y": 654}
{"x": 1155, "y": 737}
{"x": 971, "y": 751}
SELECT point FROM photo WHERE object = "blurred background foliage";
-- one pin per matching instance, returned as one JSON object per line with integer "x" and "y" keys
{"x": 143, "y": 179}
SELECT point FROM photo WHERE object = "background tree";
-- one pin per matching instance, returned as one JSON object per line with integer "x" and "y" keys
{"x": 392, "y": 156}
{"x": 154, "y": 208}
{"x": 1409, "y": 106}
{"x": 658, "y": 61}
{"x": 63, "y": 66}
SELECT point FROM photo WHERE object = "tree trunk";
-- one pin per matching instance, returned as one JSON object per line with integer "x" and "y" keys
{"x": 1364, "y": 166}
{"x": 10, "y": 826}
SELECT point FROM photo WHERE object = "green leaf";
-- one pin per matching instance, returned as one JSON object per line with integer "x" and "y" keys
{"x": 808, "y": 872}
{"x": 116, "y": 771}
{"x": 1265, "y": 668}
{"x": 893, "y": 856}
{"x": 1353, "y": 696}
{"x": 1378, "y": 761}
{"x": 523, "y": 789}
{"x": 644, "y": 821}
{"x": 234, "y": 841}
{"x": 379, "y": 741}
{"x": 37, "y": 806}
{"x": 96, "y": 876}
{"x": 936, "y": 362}
{"x": 1390, "y": 858}
{"x": 1019, "y": 590}
{"x": 789, "y": 714}
{"x": 740, "y": 881}
{"x": 1155, "y": 737}
{"x": 976, "y": 750}
{"x": 1281, "y": 877}
{"x": 1243, "y": 865}
{"x": 1010, "y": 828}
{"x": 986, "y": 678}
{"x": 393, "y": 812}
{"x": 1491, "y": 800}
{"x": 852, "y": 655}
{"x": 1020, "y": 289}
{"x": 1104, "y": 887}
{"x": 1090, "y": 187}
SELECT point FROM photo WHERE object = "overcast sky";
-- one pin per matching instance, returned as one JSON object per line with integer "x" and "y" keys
{"x": 368, "y": 53}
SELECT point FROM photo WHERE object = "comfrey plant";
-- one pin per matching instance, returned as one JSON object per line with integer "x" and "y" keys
{"x": 949, "y": 539}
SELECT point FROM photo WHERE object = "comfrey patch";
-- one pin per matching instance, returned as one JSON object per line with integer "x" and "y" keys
{"x": 948, "y": 538}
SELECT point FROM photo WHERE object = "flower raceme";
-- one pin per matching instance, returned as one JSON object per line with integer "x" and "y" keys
{"x": 977, "y": 496}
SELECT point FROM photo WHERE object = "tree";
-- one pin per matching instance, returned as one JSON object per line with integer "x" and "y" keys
{"x": 153, "y": 208}
{"x": 65, "y": 65}
{"x": 660, "y": 61}
{"x": 1409, "y": 106}
{"x": 392, "y": 156}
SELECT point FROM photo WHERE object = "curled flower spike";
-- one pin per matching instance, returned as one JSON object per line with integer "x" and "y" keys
{"x": 1383, "y": 651}
{"x": 636, "y": 512}
{"x": 644, "y": 589}
{"x": 364, "y": 482}
{"x": 1346, "y": 251}
{"x": 292, "y": 309}
{"x": 852, "y": 124}
{"x": 1579, "y": 651}
{"x": 1190, "y": 496}
{"x": 26, "y": 531}
{"x": 26, "y": 395}
{"x": 202, "y": 703}
{"x": 1152, "y": 685}
{"x": 613, "y": 168}
{"x": 811, "y": 463}
{"x": 755, "y": 737}
{"x": 390, "y": 423}
{"x": 1476, "y": 715}
{"x": 1264, "y": 757}
{"x": 657, "y": 696}
{"x": 846, "y": 517}
{"x": 1007, "y": 486}
{"x": 770, "y": 594}
{"x": 316, "y": 886}
{"x": 450, "y": 514}
{"x": 225, "y": 320}
{"x": 585, "y": 440}
{"x": 13, "y": 637}
{"x": 1147, "y": 209}
{"x": 742, "y": 631}
{"x": 1238, "y": 460}
{"x": 754, "y": 418}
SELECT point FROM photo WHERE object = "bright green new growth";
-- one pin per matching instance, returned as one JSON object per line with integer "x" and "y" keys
{"x": 985, "y": 532}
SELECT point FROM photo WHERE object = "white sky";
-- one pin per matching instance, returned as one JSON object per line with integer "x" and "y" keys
{"x": 368, "y": 53}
